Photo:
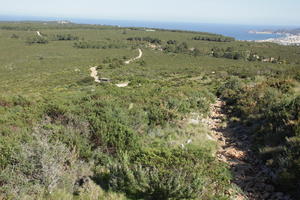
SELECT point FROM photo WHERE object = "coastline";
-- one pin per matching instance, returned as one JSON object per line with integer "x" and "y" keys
{"x": 238, "y": 31}
{"x": 288, "y": 39}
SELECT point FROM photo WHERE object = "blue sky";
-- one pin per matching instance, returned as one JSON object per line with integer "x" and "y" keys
{"x": 265, "y": 12}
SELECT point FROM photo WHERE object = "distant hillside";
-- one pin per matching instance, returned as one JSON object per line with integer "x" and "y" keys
{"x": 290, "y": 31}
{"x": 279, "y": 31}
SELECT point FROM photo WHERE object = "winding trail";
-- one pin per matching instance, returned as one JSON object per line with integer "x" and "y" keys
{"x": 136, "y": 58}
{"x": 249, "y": 174}
{"x": 95, "y": 76}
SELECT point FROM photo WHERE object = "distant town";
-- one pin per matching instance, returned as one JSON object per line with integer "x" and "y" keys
{"x": 289, "y": 37}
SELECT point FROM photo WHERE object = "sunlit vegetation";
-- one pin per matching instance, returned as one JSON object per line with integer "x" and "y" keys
{"x": 65, "y": 37}
{"x": 36, "y": 40}
{"x": 270, "y": 109}
{"x": 147, "y": 39}
{"x": 63, "y": 136}
{"x": 99, "y": 45}
{"x": 214, "y": 38}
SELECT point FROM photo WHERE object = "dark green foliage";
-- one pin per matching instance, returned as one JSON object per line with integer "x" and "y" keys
{"x": 142, "y": 63}
{"x": 171, "y": 42}
{"x": 8, "y": 148}
{"x": 109, "y": 127}
{"x": 65, "y": 37}
{"x": 159, "y": 115}
{"x": 180, "y": 48}
{"x": 214, "y": 39}
{"x": 169, "y": 48}
{"x": 36, "y": 40}
{"x": 231, "y": 53}
{"x": 147, "y": 39}
{"x": 112, "y": 63}
{"x": 166, "y": 174}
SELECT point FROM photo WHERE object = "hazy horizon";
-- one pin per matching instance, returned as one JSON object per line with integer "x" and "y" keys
{"x": 83, "y": 20}
{"x": 254, "y": 12}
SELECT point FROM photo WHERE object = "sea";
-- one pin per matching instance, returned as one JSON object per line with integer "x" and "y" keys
{"x": 238, "y": 31}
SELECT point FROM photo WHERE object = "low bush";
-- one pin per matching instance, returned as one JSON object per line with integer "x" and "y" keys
{"x": 36, "y": 40}
{"x": 14, "y": 36}
{"x": 147, "y": 39}
{"x": 60, "y": 37}
{"x": 214, "y": 38}
{"x": 272, "y": 110}
{"x": 36, "y": 169}
{"x": 167, "y": 174}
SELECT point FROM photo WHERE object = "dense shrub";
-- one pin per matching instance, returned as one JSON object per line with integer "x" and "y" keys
{"x": 214, "y": 38}
{"x": 229, "y": 53}
{"x": 147, "y": 39}
{"x": 171, "y": 42}
{"x": 36, "y": 40}
{"x": 273, "y": 111}
{"x": 167, "y": 174}
{"x": 8, "y": 147}
{"x": 110, "y": 129}
{"x": 65, "y": 37}
{"x": 36, "y": 168}
{"x": 159, "y": 115}
{"x": 177, "y": 48}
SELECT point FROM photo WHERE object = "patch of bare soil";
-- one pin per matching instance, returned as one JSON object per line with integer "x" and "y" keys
{"x": 94, "y": 74}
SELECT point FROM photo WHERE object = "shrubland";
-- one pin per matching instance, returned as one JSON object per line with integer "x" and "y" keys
{"x": 270, "y": 109}
{"x": 63, "y": 136}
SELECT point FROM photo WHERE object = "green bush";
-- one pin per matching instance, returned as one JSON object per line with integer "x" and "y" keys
{"x": 36, "y": 40}
{"x": 159, "y": 115}
{"x": 167, "y": 174}
{"x": 273, "y": 111}
{"x": 214, "y": 38}
{"x": 14, "y": 36}
{"x": 65, "y": 37}
{"x": 40, "y": 166}
{"x": 148, "y": 39}
{"x": 109, "y": 125}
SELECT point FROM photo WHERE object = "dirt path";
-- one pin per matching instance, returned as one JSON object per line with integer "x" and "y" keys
{"x": 249, "y": 174}
{"x": 125, "y": 84}
{"x": 94, "y": 73}
{"x": 136, "y": 58}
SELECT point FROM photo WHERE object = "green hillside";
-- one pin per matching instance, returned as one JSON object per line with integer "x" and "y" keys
{"x": 64, "y": 136}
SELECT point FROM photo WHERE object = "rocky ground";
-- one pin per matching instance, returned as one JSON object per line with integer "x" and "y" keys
{"x": 249, "y": 174}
